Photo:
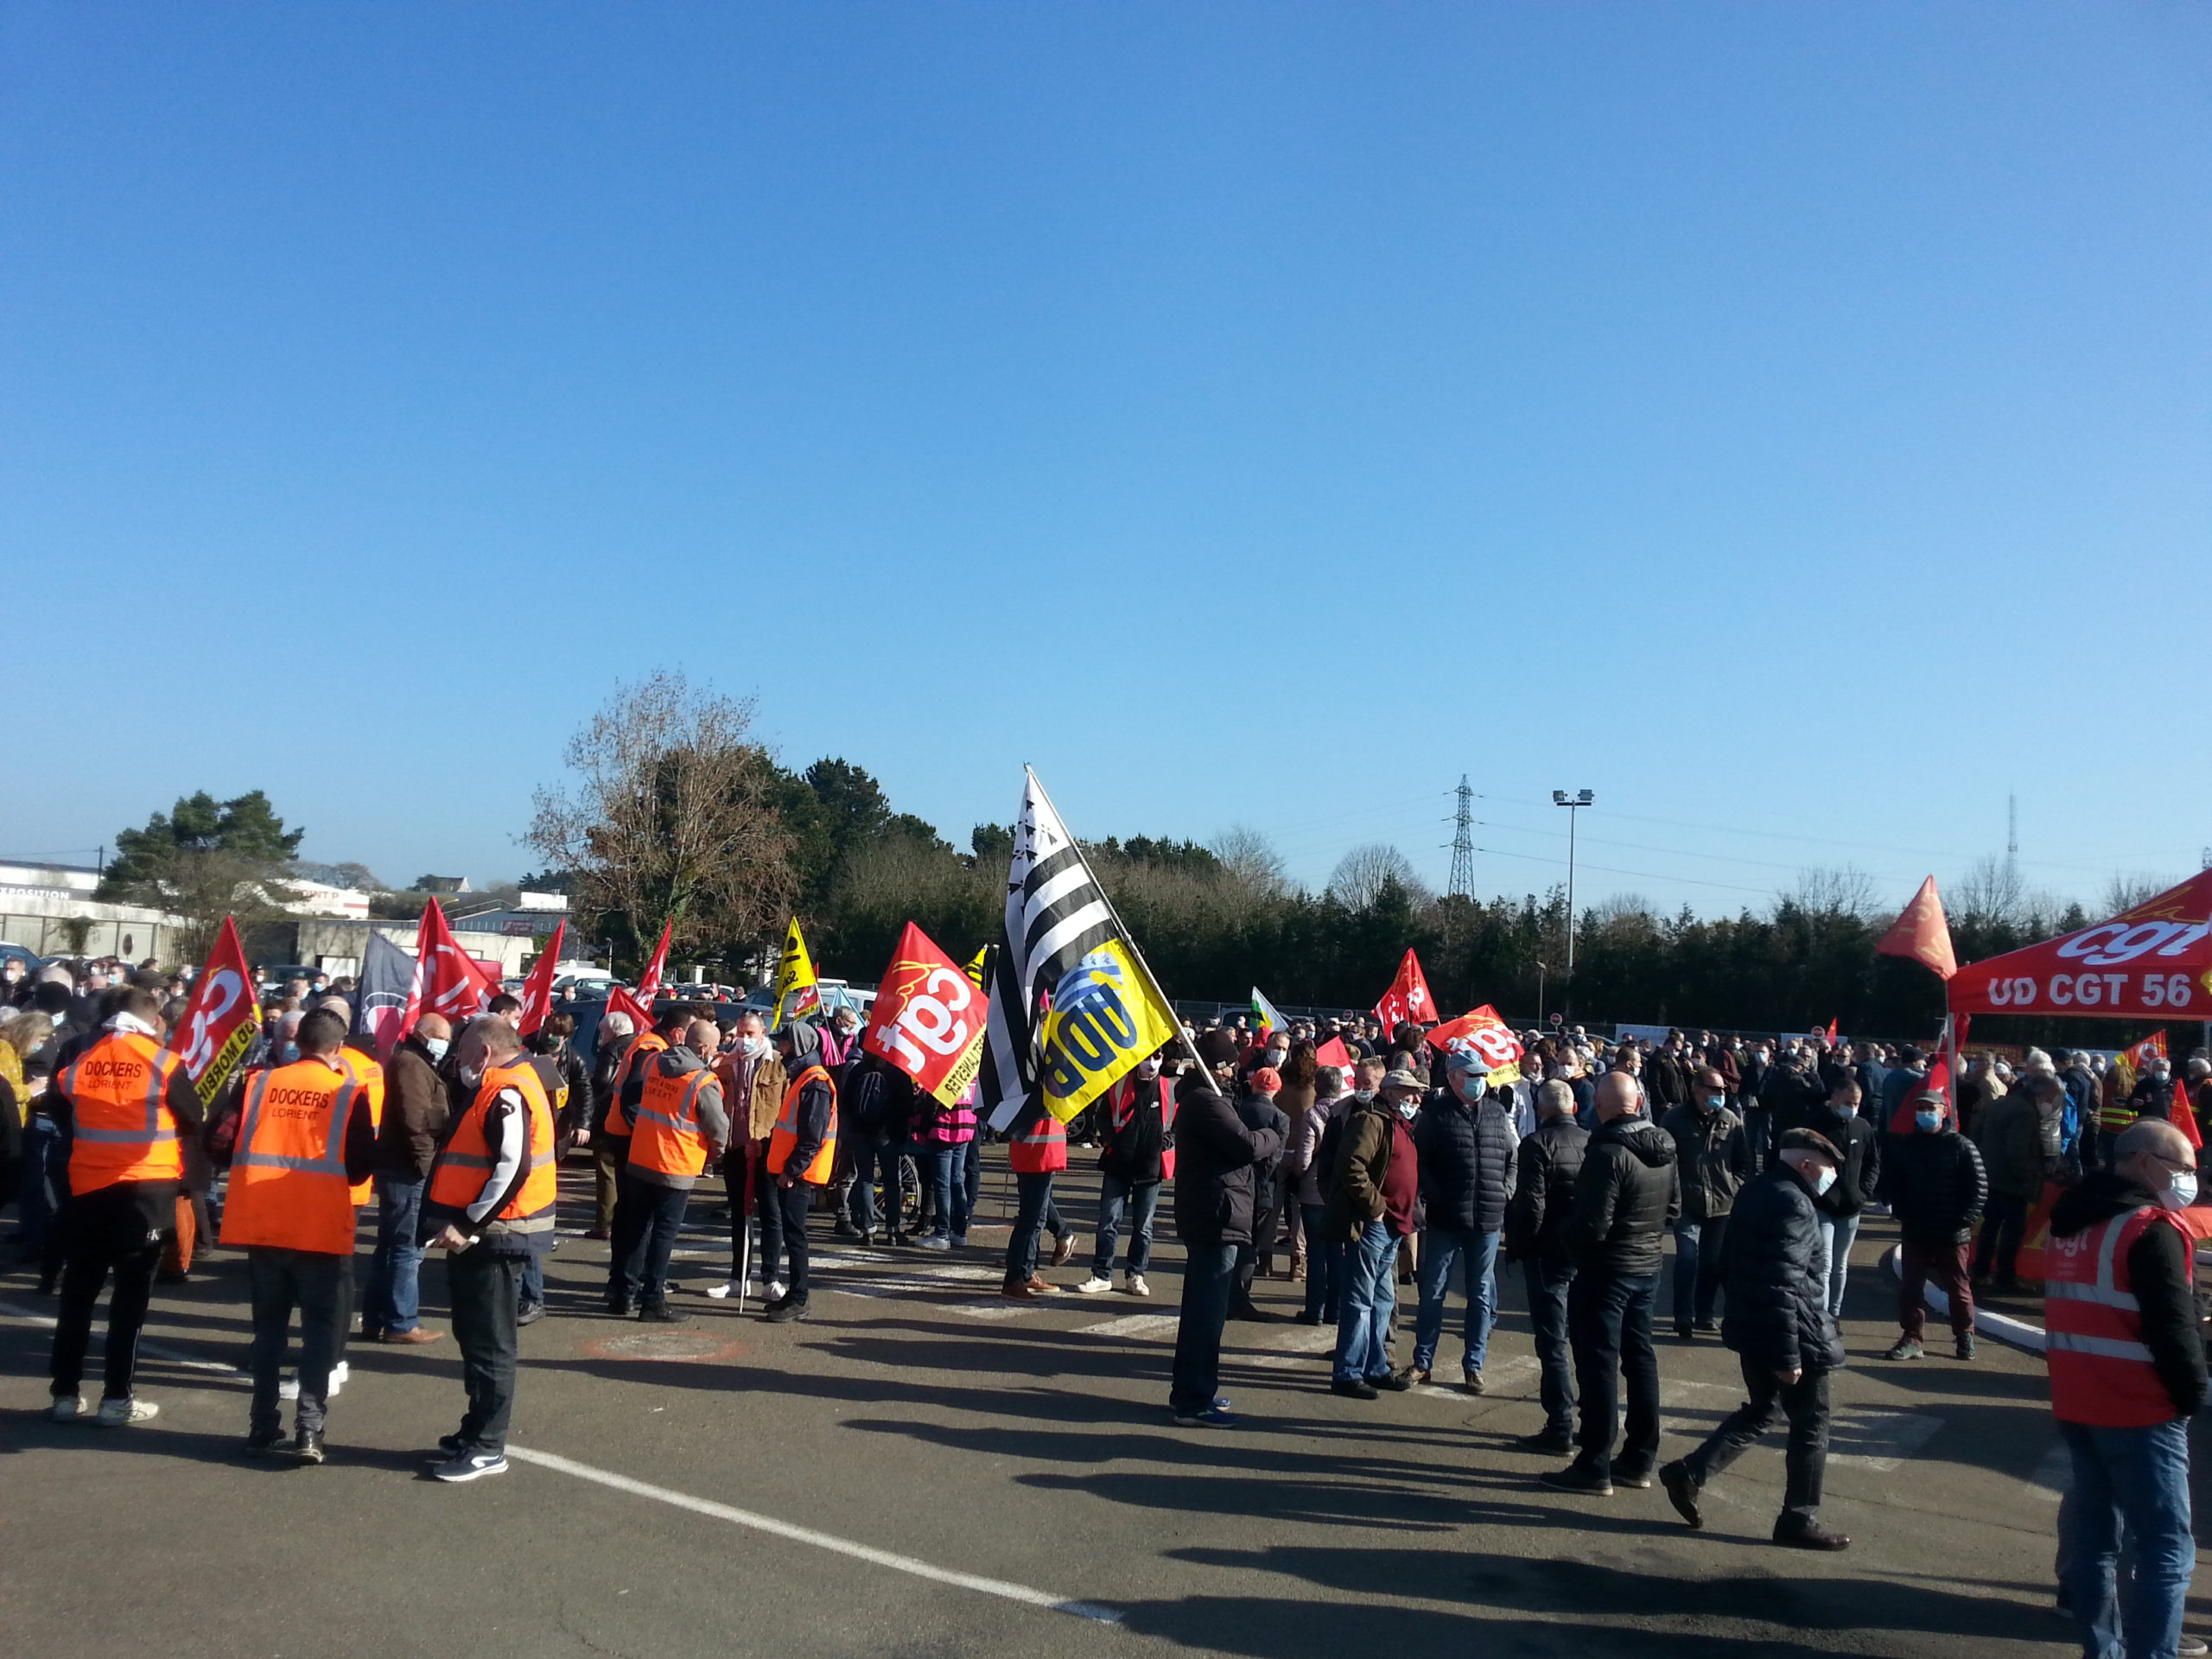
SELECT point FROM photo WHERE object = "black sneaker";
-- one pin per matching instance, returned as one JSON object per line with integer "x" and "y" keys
{"x": 532, "y": 1314}
{"x": 1579, "y": 1477}
{"x": 1640, "y": 1479}
{"x": 471, "y": 1465}
{"x": 262, "y": 1441}
{"x": 1808, "y": 1534}
{"x": 620, "y": 1309}
{"x": 791, "y": 1308}
{"x": 1392, "y": 1382}
{"x": 1966, "y": 1346}
{"x": 1551, "y": 1442}
{"x": 1709, "y": 1327}
{"x": 1303, "y": 1318}
{"x": 1681, "y": 1492}
{"x": 1351, "y": 1388}
{"x": 450, "y": 1446}
{"x": 1684, "y": 1333}
{"x": 307, "y": 1446}
{"x": 662, "y": 1313}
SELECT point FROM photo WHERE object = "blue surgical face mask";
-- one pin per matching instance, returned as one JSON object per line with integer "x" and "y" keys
{"x": 1927, "y": 1122}
{"x": 437, "y": 1045}
{"x": 1714, "y": 1103}
{"x": 288, "y": 1054}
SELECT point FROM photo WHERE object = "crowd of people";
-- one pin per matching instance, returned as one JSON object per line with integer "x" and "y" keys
{"x": 1397, "y": 1166}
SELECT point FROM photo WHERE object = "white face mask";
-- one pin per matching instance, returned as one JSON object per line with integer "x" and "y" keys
{"x": 1409, "y": 1109}
{"x": 2183, "y": 1192}
{"x": 1825, "y": 1180}
{"x": 754, "y": 1045}
{"x": 437, "y": 1045}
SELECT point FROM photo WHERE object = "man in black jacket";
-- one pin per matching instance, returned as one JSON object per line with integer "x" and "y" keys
{"x": 1857, "y": 1180}
{"x": 1625, "y": 1198}
{"x": 1779, "y": 1328}
{"x": 1715, "y": 1159}
{"x": 1934, "y": 1181}
{"x": 1215, "y": 1154}
{"x": 1535, "y": 1235}
{"x": 2127, "y": 1375}
{"x": 1468, "y": 1168}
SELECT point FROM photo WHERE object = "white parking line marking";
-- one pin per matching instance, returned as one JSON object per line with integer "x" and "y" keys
{"x": 1132, "y": 1324}
{"x": 995, "y": 1310}
{"x": 1879, "y": 1440}
{"x": 152, "y": 1349}
{"x": 1020, "y": 1593}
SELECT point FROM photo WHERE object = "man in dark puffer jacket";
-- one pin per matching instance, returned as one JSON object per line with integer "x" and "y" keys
{"x": 1626, "y": 1197}
{"x": 1779, "y": 1327}
{"x": 1468, "y": 1168}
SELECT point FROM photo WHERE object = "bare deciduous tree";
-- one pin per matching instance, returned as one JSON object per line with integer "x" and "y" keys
{"x": 670, "y": 819}
{"x": 1992, "y": 891}
{"x": 2125, "y": 892}
{"x": 1249, "y": 858}
{"x": 1839, "y": 891}
{"x": 1361, "y": 873}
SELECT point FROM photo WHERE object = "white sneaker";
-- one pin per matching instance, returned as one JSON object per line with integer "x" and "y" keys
{"x": 65, "y": 1409}
{"x": 724, "y": 1291}
{"x": 1093, "y": 1285}
{"x": 1137, "y": 1287}
{"x": 960, "y": 1241}
{"x": 117, "y": 1414}
{"x": 289, "y": 1388}
{"x": 777, "y": 1287}
{"x": 338, "y": 1375}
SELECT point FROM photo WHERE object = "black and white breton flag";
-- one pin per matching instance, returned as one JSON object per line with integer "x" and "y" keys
{"x": 1056, "y": 912}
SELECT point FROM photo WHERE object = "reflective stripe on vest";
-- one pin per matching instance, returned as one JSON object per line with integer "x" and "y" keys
{"x": 369, "y": 1074}
{"x": 785, "y": 1141}
{"x": 457, "y": 1178}
{"x": 2101, "y": 1373}
{"x": 2114, "y": 1116}
{"x": 1041, "y": 1148}
{"x": 667, "y": 1138}
{"x": 651, "y": 1043}
{"x": 123, "y": 1129}
{"x": 288, "y": 1174}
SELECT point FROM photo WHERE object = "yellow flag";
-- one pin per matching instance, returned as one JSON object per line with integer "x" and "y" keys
{"x": 1106, "y": 1015}
{"x": 795, "y": 980}
{"x": 976, "y": 966}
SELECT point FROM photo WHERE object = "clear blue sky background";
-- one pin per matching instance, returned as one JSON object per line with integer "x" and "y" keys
{"x": 1793, "y": 423}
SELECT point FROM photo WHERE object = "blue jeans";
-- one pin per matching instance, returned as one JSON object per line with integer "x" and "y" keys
{"x": 1371, "y": 1298}
{"x": 1836, "y": 1238}
{"x": 393, "y": 1299}
{"x": 1697, "y": 1267}
{"x": 1209, "y": 1277}
{"x": 1029, "y": 1218}
{"x": 1325, "y": 1268}
{"x": 949, "y": 1196}
{"x": 874, "y": 1155}
{"x": 2138, "y": 1477}
{"x": 1475, "y": 1253}
{"x": 35, "y": 1201}
{"x": 1548, "y": 1278}
{"x": 972, "y": 1165}
{"x": 1139, "y": 1200}
{"x": 1609, "y": 1321}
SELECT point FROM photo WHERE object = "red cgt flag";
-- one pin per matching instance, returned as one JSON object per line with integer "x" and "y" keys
{"x": 1333, "y": 1052}
{"x": 639, "y": 1004}
{"x": 2184, "y": 1115}
{"x": 537, "y": 989}
{"x": 219, "y": 1021}
{"x": 928, "y": 1019}
{"x": 1408, "y": 997}
{"x": 1486, "y": 1035}
{"x": 1922, "y": 933}
{"x": 448, "y": 980}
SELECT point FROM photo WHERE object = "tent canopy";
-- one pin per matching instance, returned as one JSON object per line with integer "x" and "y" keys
{"x": 2152, "y": 962}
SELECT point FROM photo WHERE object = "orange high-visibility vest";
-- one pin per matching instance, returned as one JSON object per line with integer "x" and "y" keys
{"x": 464, "y": 1162}
{"x": 1040, "y": 1148}
{"x": 785, "y": 1141}
{"x": 124, "y": 1130}
{"x": 647, "y": 1044}
{"x": 2102, "y": 1374}
{"x": 288, "y": 1171}
{"x": 667, "y": 1140}
{"x": 368, "y": 1071}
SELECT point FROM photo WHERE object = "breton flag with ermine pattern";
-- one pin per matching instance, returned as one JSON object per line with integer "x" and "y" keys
{"x": 1073, "y": 1007}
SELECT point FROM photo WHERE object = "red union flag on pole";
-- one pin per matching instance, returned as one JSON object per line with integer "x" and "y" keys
{"x": 639, "y": 1004}
{"x": 1923, "y": 933}
{"x": 1484, "y": 1035}
{"x": 1408, "y": 997}
{"x": 537, "y": 989}
{"x": 928, "y": 1019}
{"x": 451, "y": 984}
{"x": 219, "y": 1021}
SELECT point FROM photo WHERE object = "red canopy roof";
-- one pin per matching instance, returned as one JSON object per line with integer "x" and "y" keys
{"x": 2152, "y": 962}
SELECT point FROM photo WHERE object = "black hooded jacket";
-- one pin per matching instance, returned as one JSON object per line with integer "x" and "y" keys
{"x": 1626, "y": 1197}
{"x": 1775, "y": 1272}
{"x": 2160, "y": 1272}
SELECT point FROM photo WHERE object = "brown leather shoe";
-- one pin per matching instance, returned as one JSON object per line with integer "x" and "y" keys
{"x": 420, "y": 1334}
{"x": 1063, "y": 1250}
{"x": 1041, "y": 1287}
{"x": 1018, "y": 1293}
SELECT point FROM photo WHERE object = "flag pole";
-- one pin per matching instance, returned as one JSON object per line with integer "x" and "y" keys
{"x": 1137, "y": 950}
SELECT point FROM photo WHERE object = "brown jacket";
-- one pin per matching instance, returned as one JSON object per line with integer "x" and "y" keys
{"x": 768, "y": 1081}
{"x": 415, "y": 1112}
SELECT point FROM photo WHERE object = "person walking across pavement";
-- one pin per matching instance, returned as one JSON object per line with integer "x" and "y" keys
{"x": 490, "y": 1202}
{"x": 1535, "y": 1234}
{"x": 1933, "y": 1180}
{"x": 1374, "y": 1190}
{"x": 1215, "y": 1157}
{"x": 1779, "y": 1328}
{"x": 1627, "y": 1195}
{"x": 2126, "y": 1376}
{"x": 1841, "y": 1124}
{"x": 801, "y": 1152}
{"x": 119, "y": 1106}
{"x": 416, "y": 1111}
{"x": 298, "y": 1137}
{"x": 678, "y": 1126}
{"x": 1470, "y": 1162}
{"x": 1715, "y": 1159}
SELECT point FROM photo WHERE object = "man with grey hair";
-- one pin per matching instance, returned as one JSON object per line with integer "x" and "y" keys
{"x": 1535, "y": 1222}
{"x": 1465, "y": 1138}
{"x": 1779, "y": 1327}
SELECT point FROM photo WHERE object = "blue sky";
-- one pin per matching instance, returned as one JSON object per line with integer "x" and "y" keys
{"x": 1792, "y": 423}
